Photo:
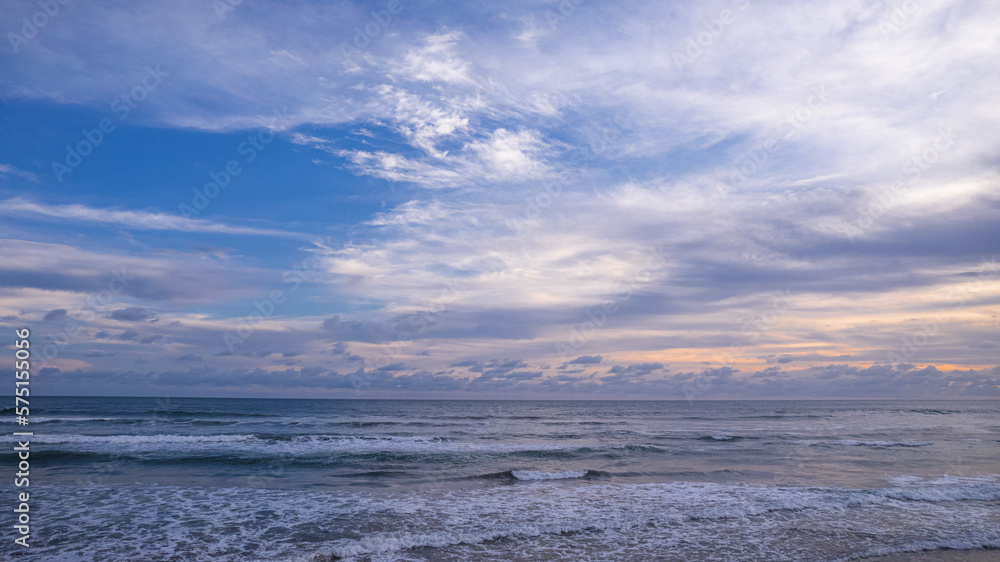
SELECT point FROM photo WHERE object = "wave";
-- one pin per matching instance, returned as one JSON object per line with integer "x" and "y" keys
{"x": 983, "y": 541}
{"x": 640, "y": 448}
{"x": 933, "y": 411}
{"x": 309, "y": 445}
{"x": 142, "y": 439}
{"x": 366, "y": 524}
{"x": 74, "y": 419}
{"x": 167, "y": 412}
{"x": 290, "y": 444}
{"x": 721, "y": 438}
{"x": 532, "y": 475}
{"x": 855, "y": 443}
{"x": 643, "y": 506}
{"x": 943, "y": 494}
{"x": 778, "y": 416}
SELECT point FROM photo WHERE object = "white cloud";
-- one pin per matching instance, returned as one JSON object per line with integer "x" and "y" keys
{"x": 423, "y": 123}
{"x": 8, "y": 170}
{"x": 435, "y": 60}
{"x": 133, "y": 219}
{"x": 497, "y": 113}
{"x": 510, "y": 155}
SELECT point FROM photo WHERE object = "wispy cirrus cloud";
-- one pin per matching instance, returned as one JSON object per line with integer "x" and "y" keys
{"x": 8, "y": 170}
{"x": 62, "y": 272}
{"x": 133, "y": 219}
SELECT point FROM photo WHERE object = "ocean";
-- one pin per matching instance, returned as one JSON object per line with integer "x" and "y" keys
{"x": 379, "y": 480}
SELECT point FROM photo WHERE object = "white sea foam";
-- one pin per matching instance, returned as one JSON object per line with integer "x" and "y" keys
{"x": 623, "y": 509}
{"x": 531, "y": 475}
{"x": 945, "y": 494}
{"x": 42, "y": 419}
{"x": 139, "y": 440}
{"x": 298, "y": 445}
{"x": 856, "y": 443}
{"x": 969, "y": 542}
{"x": 540, "y": 521}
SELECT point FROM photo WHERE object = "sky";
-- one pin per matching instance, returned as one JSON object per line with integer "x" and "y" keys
{"x": 536, "y": 199}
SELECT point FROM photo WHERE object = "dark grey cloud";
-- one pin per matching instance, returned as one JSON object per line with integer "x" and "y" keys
{"x": 832, "y": 381}
{"x": 769, "y": 372}
{"x": 131, "y": 314}
{"x": 128, "y": 335}
{"x": 522, "y": 375}
{"x": 473, "y": 323}
{"x": 134, "y": 336}
{"x": 896, "y": 253}
{"x": 496, "y": 367}
{"x": 360, "y": 331}
{"x": 392, "y": 368}
{"x": 784, "y": 359}
{"x": 472, "y": 365}
{"x": 177, "y": 278}
{"x": 56, "y": 315}
{"x": 636, "y": 369}
{"x": 493, "y": 368}
{"x": 342, "y": 349}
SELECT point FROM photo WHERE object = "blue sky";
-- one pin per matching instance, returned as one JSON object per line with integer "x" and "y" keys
{"x": 533, "y": 199}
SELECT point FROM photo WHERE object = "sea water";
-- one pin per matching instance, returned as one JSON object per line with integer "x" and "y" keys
{"x": 248, "y": 479}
